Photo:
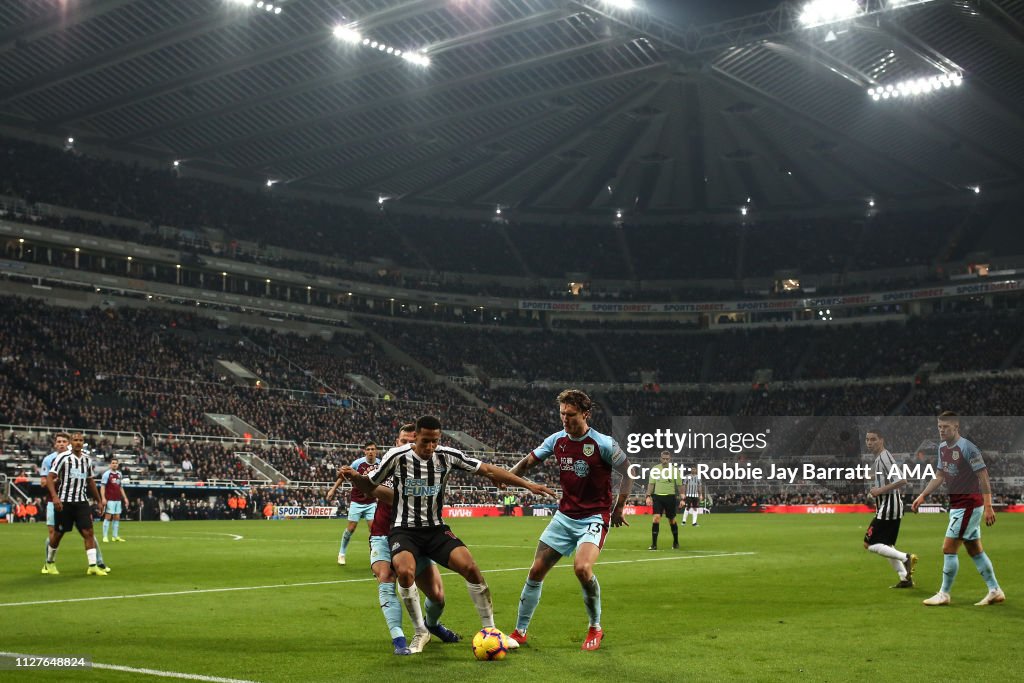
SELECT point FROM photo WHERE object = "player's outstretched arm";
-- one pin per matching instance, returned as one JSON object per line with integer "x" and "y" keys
{"x": 363, "y": 483}
{"x": 525, "y": 465}
{"x": 330, "y": 492}
{"x": 500, "y": 476}
{"x": 932, "y": 485}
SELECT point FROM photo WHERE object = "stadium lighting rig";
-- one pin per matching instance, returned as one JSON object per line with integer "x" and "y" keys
{"x": 268, "y": 7}
{"x": 353, "y": 36}
{"x": 621, "y": 4}
{"x": 915, "y": 87}
{"x": 823, "y": 12}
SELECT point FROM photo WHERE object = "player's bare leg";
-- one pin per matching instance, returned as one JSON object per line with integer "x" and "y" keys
{"x": 545, "y": 558}
{"x": 583, "y": 565}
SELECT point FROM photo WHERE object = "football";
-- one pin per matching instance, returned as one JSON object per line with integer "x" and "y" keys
{"x": 489, "y": 644}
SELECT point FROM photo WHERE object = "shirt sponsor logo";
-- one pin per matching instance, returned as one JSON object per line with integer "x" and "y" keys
{"x": 418, "y": 487}
{"x": 581, "y": 468}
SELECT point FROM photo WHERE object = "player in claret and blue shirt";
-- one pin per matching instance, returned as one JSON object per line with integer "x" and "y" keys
{"x": 970, "y": 500}
{"x": 112, "y": 496}
{"x": 361, "y": 506}
{"x": 586, "y": 459}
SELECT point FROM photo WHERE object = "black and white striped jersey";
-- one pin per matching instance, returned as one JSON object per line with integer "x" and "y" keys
{"x": 888, "y": 505}
{"x": 419, "y": 483}
{"x": 72, "y": 473}
{"x": 693, "y": 485}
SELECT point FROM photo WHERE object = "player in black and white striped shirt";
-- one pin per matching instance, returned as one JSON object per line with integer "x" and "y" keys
{"x": 885, "y": 526}
{"x": 694, "y": 489}
{"x": 420, "y": 473}
{"x": 70, "y": 482}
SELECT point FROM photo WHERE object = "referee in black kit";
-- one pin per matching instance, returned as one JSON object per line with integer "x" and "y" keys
{"x": 663, "y": 494}
{"x": 68, "y": 482}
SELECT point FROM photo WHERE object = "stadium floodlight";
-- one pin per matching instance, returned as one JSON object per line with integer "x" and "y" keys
{"x": 871, "y": 203}
{"x": 71, "y": 141}
{"x": 976, "y": 189}
{"x": 417, "y": 58}
{"x": 819, "y": 12}
{"x": 744, "y": 210}
{"x": 915, "y": 86}
{"x": 348, "y": 34}
{"x": 621, "y": 4}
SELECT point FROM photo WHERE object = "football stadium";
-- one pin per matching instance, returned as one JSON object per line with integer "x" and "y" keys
{"x": 506, "y": 340}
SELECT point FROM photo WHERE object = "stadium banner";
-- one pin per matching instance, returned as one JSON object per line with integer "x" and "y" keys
{"x": 838, "y": 301}
{"x": 291, "y": 511}
{"x": 818, "y": 465}
{"x": 478, "y": 511}
{"x": 814, "y": 509}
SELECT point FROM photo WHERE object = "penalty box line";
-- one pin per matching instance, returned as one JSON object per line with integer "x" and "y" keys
{"x": 339, "y": 581}
{"x": 146, "y": 672}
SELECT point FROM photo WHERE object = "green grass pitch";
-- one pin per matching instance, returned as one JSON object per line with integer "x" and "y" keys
{"x": 752, "y": 598}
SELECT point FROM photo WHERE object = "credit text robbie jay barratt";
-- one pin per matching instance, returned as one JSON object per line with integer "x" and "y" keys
{"x": 748, "y": 472}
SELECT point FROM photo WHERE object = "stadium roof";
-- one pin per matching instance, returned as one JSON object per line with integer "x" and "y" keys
{"x": 554, "y": 106}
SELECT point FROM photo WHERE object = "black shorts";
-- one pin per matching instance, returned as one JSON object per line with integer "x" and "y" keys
{"x": 882, "y": 531}
{"x": 72, "y": 515}
{"x": 435, "y": 543}
{"x": 692, "y": 502}
{"x": 665, "y": 505}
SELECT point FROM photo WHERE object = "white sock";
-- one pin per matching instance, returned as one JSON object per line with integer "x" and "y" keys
{"x": 51, "y": 553}
{"x": 481, "y": 596}
{"x": 91, "y": 554}
{"x": 898, "y": 566}
{"x": 411, "y": 599}
{"x": 888, "y": 551}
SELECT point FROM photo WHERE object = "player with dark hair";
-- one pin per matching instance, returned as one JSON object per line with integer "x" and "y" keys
{"x": 663, "y": 497}
{"x": 60, "y": 445}
{"x": 428, "y": 578}
{"x": 964, "y": 472}
{"x": 74, "y": 473}
{"x": 586, "y": 459}
{"x": 880, "y": 537}
{"x": 360, "y": 506}
{"x": 420, "y": 472}
{"x": 694, "y": 492}
{"x": 111, "y": 496}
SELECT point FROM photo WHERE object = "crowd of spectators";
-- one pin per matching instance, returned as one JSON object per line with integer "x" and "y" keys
{"x": 204, "y": 217}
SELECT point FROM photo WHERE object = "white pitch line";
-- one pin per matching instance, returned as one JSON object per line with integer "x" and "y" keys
{"x": 147, "y": 672}
{"x": 234, "y": 537}
{"x": 337, "y": 581}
